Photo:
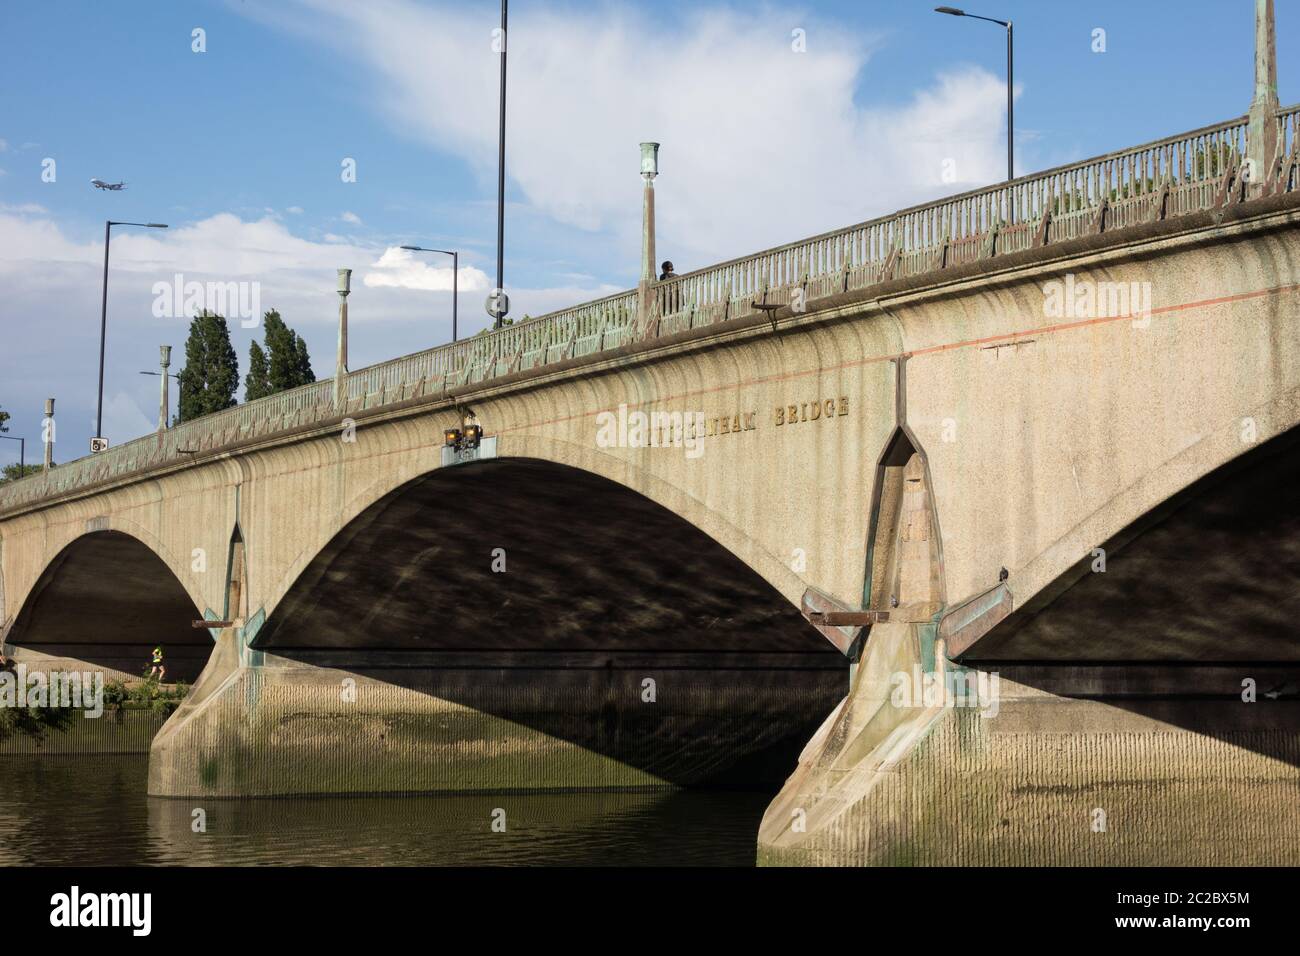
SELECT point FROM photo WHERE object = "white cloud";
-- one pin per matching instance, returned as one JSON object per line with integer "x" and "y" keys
{"x": 400, "y": 269}
{"x": 351, "y": 217}
{"x": 225, "y": 248}
{"x": 123, "y": 417}
{"x": 50, "y": 309}
{"x": 761, "y": 145}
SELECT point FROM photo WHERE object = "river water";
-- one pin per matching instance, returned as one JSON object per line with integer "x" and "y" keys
{"x": 93, "y": 811}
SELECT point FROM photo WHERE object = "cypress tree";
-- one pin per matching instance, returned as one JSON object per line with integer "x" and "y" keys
{"x": 288, "y": 364}
{"x": 211, "y": 374}
{"x": 257, "y": 384}
{"x": 282, "y": 358}
{"x": 305, "y": 373}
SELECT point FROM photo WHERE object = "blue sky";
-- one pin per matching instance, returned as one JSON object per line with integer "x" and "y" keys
{"x": 239, "y": 149}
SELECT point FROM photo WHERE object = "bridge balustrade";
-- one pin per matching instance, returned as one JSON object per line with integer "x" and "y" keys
{"x": 1167, "y": 178}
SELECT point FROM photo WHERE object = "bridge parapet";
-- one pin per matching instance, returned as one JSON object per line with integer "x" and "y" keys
{"x": 1171, "y": 177}
{"x": 1288, "y": 147}
{"x": 1165, "y": 179}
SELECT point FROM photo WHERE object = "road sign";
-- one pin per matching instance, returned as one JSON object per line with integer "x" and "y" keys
{"x": 98, "y": 445}
{"x": 498, "y": 304}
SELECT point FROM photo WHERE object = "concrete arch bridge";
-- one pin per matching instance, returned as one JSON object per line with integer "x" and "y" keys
{"x": 977, "y": 525}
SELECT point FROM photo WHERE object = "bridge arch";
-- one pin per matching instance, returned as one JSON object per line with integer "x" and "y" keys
{"x": 1209, "y": 576}
{"x": 564, "y": 603}
{"x": 448, "y": 527}
{"x": 618, "y": 470}
{"x": 106, "y": 598}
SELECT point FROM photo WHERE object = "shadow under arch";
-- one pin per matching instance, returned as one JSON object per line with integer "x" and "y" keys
{"x": 546, "y": 595}
{"x": 107, "y": 600}
{"x": 1196, "y": 596}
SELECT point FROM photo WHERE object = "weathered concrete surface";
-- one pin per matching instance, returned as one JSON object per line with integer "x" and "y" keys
{"x": 1144, "y": 711}
{"x": 1040, "y": 435}
{"x": 1064, "y": 430}
{"x": 1049, "y": 781}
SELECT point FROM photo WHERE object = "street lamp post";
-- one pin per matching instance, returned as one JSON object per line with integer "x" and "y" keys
{"x": 455, "y": 274}
{"x": 103, "y": 324}
{"x": 953, "y": 11}
{"x": 22, "y": 453}
{"x": 501, "y": 182}
{"x": 164, "y": 404}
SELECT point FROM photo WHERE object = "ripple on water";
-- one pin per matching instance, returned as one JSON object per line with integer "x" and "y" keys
{"x": 93, "y": 811}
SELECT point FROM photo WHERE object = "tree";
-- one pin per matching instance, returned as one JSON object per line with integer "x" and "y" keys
{"x": 504, "y": 323}
{"x": 211, "y": 374}
{"x": 257, "y": 384}
{"x": 288, "y": 364}
{"x": 14, "y": 472}
{"x": 305, "y": 373}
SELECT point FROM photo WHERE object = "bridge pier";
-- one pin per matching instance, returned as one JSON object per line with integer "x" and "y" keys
{"x": 1042, "y": 765}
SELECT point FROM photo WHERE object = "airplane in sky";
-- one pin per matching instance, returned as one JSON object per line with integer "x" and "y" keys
{"x": 100, "y": 184}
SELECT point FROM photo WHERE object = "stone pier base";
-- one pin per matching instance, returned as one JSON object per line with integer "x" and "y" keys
{"x": 1135, "y": 764}
{"x": 281, "y": 727}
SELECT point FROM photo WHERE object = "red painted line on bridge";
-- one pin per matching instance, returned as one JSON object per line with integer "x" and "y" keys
{"x": 1010, "y": 338}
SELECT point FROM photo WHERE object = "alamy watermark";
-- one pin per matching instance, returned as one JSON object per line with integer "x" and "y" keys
{"x": 83, "y": 691}
{"x": 1075, "y": 298}
{"x": 624, "y": 429}
{"x": 951, "y": 688}
{"x": 232, "y": 300}
{"x": 77, "y": 908}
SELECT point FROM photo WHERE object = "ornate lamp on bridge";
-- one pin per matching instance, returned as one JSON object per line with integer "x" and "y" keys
{"x": 47, "y": 433}
{"x": 1261, "y": 134}
{"x": 164, "y": 363}
{"x": 649, "y": 170}
{"x": 341, "y": 365}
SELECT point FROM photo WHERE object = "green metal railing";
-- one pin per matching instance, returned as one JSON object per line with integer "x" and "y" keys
{"x": 1167, "y": 178}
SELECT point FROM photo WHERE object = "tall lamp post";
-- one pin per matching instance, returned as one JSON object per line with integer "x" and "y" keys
{"x": 953, "y": 11}
{"x": 97, "y": 444}
{"x": 22, "y": 453}
{"x": 500, "y": 303}
{"x": 455, "y": 273}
